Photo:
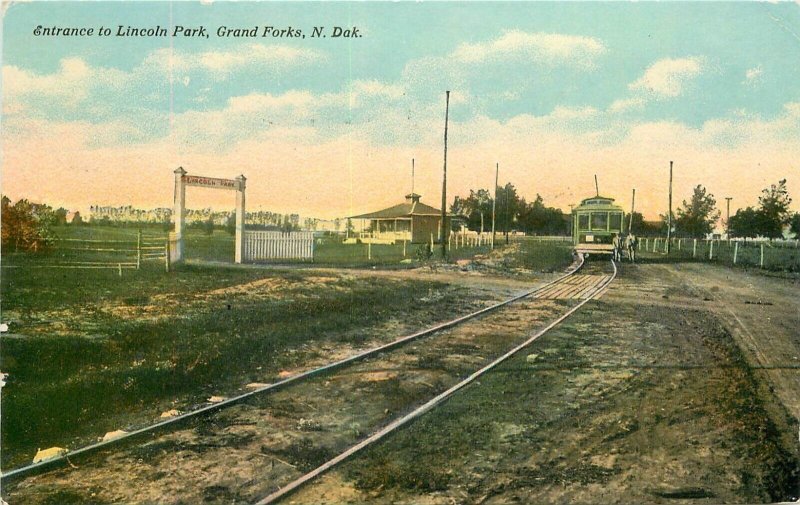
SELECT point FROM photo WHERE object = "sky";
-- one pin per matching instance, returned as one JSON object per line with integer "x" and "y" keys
{"x": 327, "y": 127}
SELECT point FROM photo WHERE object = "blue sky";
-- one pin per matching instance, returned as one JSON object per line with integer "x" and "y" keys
{"x": 609, "y": 82}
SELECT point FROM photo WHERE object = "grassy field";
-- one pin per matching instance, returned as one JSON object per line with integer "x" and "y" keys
{"x": 89, "y": 351}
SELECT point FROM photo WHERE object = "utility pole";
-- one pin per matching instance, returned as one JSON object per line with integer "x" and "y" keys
{"x": 728, "y": 216}
{"x": 669, "y": 216}
{"x": 412, "y": 176}
{"x": 508, "y": 218}
{"x": 494, "y": 200}
{"x": 630, "y": 220}
{"x": 443, "y": 237}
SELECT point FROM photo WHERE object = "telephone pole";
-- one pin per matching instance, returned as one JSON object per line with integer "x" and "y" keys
{"x": 728, "y": 216}
{"x": 443, "y": 236}
{"x": 669, "y": 216}
{"x": 630, "y": 220}
{"x": 494, "y": 200}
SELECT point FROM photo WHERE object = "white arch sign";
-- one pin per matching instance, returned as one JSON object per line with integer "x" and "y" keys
{"x": 182, "y": 179}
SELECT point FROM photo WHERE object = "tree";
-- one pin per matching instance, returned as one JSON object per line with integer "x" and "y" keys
{"x": 26, "y": 226}
{"x": 508, "y": 203}
{"x": 794, "y": 225}
{"x": 696, "y": 217}
{"x": 76, "y": 218}
{"x": 208, "y": 226}
{"x": 230, "y": 223}
{"x": 60, "y": 215}
{"x": 475, "y": 208}
{"x": 774, "y": 205}
{"x": 642, "y": 227}
{"x": 747, "y": 223}
{"x": 536, "y": 218}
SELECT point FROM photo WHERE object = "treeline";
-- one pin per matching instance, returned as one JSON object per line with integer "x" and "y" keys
{"x": 695, "y": 217}
{"x": 512, "y": 212}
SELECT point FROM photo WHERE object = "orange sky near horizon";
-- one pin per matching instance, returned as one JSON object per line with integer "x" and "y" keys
{"x": 348, "y": 176}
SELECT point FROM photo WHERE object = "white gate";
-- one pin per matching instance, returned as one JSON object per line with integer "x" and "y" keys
{"x": 269, "y": 245}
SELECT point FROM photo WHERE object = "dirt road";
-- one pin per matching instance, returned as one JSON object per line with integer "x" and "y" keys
{"x": 762, "y": 313}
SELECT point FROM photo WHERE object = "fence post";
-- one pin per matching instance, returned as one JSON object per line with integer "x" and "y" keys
{"x": 369, "y": 250}
{"x": 680, "y": 243}
{"x": 646, "y": 243}
{"x": 694, "y": 249}
{"x": 166, "y": 254}
{"x": 119, "y": 266}
{"x": 711, "y": 250}
{"x": 404, "y": 248}
{"x": 735, "y": 251}
{"x": 761, "y": 263}
{"x": 138, "y": 249}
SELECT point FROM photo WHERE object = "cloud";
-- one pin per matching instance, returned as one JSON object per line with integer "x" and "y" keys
{"x": 81, "y": 91}
{"x": 625, "y": 105}
{"x": 668, "y": 78}
{"x": 68, "y": 86}
{"x": 546, "y": 48}
{"x": 753, "y": 76}
{"x": 221, "y": 64}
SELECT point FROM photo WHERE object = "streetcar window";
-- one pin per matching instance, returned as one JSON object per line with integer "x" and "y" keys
{"x": 583, "y": 222}
{"x": 599, "y": 220}
{"x": 615, "y": 221}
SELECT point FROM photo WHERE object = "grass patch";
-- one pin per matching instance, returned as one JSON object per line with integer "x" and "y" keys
{"x": 69, "y": 387}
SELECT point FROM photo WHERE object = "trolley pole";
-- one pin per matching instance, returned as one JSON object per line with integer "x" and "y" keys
{"x": 669, "y": 215}
{"x": 494, "y": 200}
{"x": 443, "y": 238}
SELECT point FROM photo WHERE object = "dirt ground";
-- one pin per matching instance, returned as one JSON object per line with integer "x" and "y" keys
{"x": 679, "y": 386}
{"x": 242, "y": 453}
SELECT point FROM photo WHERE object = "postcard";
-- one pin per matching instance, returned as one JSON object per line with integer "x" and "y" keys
{"x": 400, "y": 252}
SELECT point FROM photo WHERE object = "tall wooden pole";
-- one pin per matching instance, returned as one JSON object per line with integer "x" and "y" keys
{"x": 443, "y": 237}
{"x": 494, "y": 200}
{"x": 728, "y": 217}
{"x": 630, "y": 220}
{"x": 669, "y": 216}
{"x": 412, "y": 176}
{"x": 507, "y": 224}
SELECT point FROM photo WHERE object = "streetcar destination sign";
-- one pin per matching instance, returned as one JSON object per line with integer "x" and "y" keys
{"x": 210, "y": 182}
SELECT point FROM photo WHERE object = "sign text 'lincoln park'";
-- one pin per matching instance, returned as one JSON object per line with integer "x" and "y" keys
{"x": 210, "y": 182}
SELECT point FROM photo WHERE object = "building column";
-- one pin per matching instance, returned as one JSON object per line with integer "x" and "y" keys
{"x": 178, "y": 213}
{"x": 240, "y": 213}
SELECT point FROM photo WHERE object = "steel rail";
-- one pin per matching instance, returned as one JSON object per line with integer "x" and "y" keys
{"x": 41, "y": 466}
{"x": 418, "y": 412}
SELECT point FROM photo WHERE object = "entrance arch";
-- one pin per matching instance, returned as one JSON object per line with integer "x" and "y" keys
{"x": 183, "y": 179}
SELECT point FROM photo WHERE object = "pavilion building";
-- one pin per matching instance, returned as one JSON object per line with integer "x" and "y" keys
{"x": 411, "y": 221}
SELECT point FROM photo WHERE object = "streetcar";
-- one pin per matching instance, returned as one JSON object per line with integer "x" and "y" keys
{"x": 594, "y": 223}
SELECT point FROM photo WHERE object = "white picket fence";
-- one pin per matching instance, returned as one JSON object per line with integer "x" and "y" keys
{"x": 271, "y": 245}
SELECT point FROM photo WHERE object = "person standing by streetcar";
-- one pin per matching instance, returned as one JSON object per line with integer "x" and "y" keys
{"x": 630, "y": 244}
{"x": 616, "y": 242}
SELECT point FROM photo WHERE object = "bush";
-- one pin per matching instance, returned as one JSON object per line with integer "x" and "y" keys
{"x": 27, "y": 226}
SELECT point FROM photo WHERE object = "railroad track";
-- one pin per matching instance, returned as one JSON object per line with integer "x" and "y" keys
{"x": 571, "y": 289}
{"x": 570, "y": 286}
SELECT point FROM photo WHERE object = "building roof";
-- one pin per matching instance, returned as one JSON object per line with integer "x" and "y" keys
{"x": 598, "y": 203}
{"x": 411, "y": 207}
